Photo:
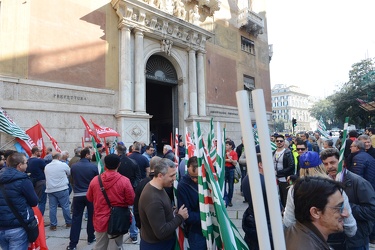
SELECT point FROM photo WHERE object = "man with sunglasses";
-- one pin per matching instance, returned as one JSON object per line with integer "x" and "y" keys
{"x": 187, "y": 194}
{"x": 361, "y": 198}
{"x": 284, "y": 166}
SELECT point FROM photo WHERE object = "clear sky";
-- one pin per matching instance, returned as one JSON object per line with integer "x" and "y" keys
{"x": 315, "y": 43}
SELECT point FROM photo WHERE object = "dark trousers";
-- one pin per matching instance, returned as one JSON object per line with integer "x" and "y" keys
{"x": 80, "y": 202}
{"x": 283, "y": 189}
{"x": 229, "y": 185}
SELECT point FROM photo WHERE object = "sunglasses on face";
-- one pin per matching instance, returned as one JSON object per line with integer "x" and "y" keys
{"x": 301, "y": 149}
{"x": 279, "y": 140}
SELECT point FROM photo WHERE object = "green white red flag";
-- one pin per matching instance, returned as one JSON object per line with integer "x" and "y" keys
{"x": 220, "y": 157}
{"x": 216, "y": 225}
{"x": 322, "y": 128}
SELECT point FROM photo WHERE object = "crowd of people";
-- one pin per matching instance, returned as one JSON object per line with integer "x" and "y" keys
{"x": 322, "y": 206}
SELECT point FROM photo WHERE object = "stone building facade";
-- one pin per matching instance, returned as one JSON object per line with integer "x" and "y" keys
{"x": 290, "y": 102}
{"x": 141, "y": 67}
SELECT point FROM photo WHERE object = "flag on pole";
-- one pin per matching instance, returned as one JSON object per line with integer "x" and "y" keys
{"x": 104, "y": 131}
{"x": 113, "y": 147}
{"x": 182, "y": 242}
{"x": 211, "y": 144}
{"x": 220, "y": 157}
{"x": 214, "y": 217}
{"x": 11, "y": 128}
{"x": 97, "y": 156}
{"x": 35, "y": 139}
{"x": 322, "y": 128}
{"x": 91, "y": 132}
{"x": 177, "y": 157}
{"x": 342, "y": 149}
{"x": 53, "y": 141}
{"x": 190, "y": 147}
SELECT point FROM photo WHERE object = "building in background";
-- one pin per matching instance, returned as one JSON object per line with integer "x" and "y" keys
{"x": 142, "y": 67}
{"x": 290, "y": 102}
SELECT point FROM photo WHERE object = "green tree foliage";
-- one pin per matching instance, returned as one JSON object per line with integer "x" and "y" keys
{"x": 325, "y": 109}
{"x": 360, "y": 85}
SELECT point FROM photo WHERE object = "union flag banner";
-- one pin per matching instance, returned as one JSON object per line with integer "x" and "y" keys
{"x": 8, "y": 126}
{"x": 91, "y": 132}
{"x": 104, "y": 131}
{"x": 53, "y": 141}
{"x": 35, "y": 139}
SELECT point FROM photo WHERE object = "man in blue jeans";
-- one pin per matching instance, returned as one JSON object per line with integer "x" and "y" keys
{"x": 230, "y": 163}
{"x": 57, "y": 173}
{"x": 82, "y": 173}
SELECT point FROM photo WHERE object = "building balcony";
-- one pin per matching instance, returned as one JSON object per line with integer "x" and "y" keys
{"x": 251, "y": 21}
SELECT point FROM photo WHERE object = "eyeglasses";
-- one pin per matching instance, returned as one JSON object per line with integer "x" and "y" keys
{"x": 280, "y": 141}
{"x": 301, "y": 149}
{"x": 339, "y": 209}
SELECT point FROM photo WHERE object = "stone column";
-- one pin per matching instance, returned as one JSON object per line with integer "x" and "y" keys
{"x": 201, "y": 84}
{"x": 125, "y": 94}
{"x": 139, "y": 73}
{"x": 192, "y": 84}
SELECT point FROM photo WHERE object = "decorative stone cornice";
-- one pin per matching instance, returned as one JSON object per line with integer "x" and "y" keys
{"x": 160, "y": 25}
{"x": 251, "y": 21}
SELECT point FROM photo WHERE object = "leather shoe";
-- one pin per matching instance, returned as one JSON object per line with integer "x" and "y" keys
{"x": 53, "y": 228}
{"x": 68, "y": 225}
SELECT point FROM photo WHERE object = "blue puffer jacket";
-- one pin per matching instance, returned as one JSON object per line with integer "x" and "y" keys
{"x": 363, "y": 165}
{"x": 20, "y": 191}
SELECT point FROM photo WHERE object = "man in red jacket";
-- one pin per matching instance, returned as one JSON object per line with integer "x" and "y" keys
{"x": 120, "y": 193}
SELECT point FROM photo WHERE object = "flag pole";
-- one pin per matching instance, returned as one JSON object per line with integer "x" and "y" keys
{"x": 269, "y": 172}
{"x": 342, "y": 149}
{"x": 252, "y": 170}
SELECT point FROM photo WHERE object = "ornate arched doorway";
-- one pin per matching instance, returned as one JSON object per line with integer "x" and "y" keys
{"x": 161, "y": 99}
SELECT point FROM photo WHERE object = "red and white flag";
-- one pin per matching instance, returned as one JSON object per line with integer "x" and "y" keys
{"x": 91, "y": 132}
{"x": 104, "y": 131}
{"x": 35, "y": 139}
{"x": 53, "y": 141}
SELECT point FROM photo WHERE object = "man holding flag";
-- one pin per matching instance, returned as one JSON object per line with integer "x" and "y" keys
{"x": 158, "y": 220}
{"x": 187, "y": 193}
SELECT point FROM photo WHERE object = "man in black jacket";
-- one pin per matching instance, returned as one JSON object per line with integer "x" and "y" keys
{"x": 130, "y": 169}
{"x": 368, "y": 146}
{"x": 82, "y": 173}
{"x": 283, "y": 165}
{"x": 361, "y": 198}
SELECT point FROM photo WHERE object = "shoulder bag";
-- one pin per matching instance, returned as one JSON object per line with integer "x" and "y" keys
{"x": 119, "y": 219}
{"x": 31, "y": 229}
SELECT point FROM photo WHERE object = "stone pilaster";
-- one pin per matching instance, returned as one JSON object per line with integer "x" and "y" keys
{"x": 201, "y": 84}
{"x": 125, "y": 86}
{"x": 193, "y": 110}
{"x": 139, "y": 73}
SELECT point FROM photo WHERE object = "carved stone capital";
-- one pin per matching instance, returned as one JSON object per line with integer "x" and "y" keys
{"x": 154, "y": 22}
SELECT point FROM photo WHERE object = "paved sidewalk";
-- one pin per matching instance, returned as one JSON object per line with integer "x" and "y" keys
{"x": 59, "y": 239}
